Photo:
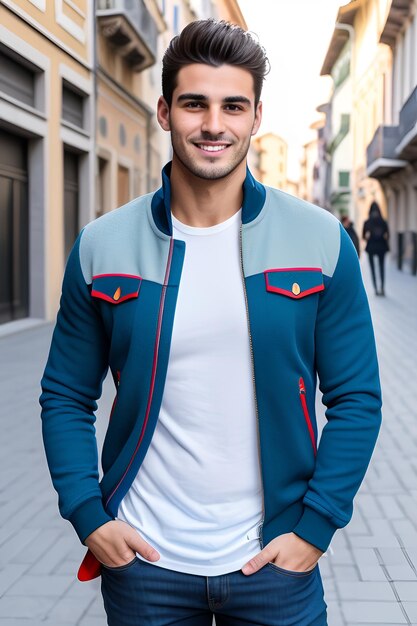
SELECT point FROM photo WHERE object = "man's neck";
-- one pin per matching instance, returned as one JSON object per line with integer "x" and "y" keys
{"x": 202, "y": 203}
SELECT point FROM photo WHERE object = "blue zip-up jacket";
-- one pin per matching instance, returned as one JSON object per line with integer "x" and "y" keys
{"x": 308, "y": 316}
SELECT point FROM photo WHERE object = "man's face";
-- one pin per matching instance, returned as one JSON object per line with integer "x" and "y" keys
{"x": 211, "y": 119}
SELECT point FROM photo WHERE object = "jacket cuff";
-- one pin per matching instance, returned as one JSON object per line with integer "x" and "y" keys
{"x": 89, "y": 516}
{"x": 315, "y": 528}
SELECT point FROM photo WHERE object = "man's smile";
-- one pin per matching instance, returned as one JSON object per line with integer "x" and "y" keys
{"x": 212, "y": 147}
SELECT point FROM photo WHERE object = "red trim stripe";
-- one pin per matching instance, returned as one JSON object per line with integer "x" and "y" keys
{"x": 295, "y": 269}
{"x": 154, "y": 367}
{"x": 306, "y": 414}
{"x": 104, "y": 296}
{"x": 124, "y": 275}
{"x": 290, "y": 294}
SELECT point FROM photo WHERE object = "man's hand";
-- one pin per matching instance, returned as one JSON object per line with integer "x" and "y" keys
{"x": 116, "y": 544}
{"x": 287, "y": 551}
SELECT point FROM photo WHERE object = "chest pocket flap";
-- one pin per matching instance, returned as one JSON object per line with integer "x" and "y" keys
{"x": 115, "y": 288}
{"x": 294, "y": 282}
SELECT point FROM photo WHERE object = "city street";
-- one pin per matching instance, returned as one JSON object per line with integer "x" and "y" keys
{"x": 370, "y": 575}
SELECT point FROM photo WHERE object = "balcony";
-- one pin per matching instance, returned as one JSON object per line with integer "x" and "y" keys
{"x": 381, "y": 155}
{"x": 407, "y": 141}
{"x": 129, "y": 26}
{"x": 399, "y": 12}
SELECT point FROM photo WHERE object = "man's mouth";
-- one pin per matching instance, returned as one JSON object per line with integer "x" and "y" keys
{"x": 212, "y": 147}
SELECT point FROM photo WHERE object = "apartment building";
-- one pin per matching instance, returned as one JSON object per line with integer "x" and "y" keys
{"x": 272, "y": 157}
{"x": 307, "y": 187}
{"x": 360, "y": 65}
{"x": 46, "y": 147}
{"x": 339, "y": 145}
{"x": 392, "y": 153}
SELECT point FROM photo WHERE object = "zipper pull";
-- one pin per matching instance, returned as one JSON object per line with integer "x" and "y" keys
{"x": 118, "y": 378}
{"x": 301, "y": 386}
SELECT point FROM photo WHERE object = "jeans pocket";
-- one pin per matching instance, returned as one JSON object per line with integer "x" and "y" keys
{"x": 120, "y": 568}
{"x": 291, "y": 573}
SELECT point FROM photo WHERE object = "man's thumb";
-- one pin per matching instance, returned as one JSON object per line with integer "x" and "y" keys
{"x": 138, "y": 544}
{"x": 258, "y": 561}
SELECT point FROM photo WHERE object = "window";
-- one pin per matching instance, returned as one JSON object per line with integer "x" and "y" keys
{"x": 14, "y": 227}
{"x": 344, "y": 179}
{"x": 72, "y": 105}
{"x": 17, "y": 79}
{"x": 103, "y": 191}
{"x": 123, "y": 195}
{"x": 71, "y": 200}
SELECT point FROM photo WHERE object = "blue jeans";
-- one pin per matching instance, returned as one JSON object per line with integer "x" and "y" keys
{"x": 142, "y": 594}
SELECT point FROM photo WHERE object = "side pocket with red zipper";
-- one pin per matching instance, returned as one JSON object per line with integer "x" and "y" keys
{"x": 303, "y": 400}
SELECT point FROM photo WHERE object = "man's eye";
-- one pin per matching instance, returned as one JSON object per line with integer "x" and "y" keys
{"x": 233, "y": 107}
{"x": 193, "y": 105}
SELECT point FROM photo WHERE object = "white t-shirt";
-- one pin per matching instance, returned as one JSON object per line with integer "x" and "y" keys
{"x": 197, "y": 497}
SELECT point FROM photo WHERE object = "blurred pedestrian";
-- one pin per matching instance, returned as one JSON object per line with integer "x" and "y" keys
{"x": 350, "y": 229}
{"x": 376, "y": 234}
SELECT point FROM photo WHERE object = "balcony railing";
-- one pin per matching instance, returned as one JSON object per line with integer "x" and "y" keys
{"x": 408, "y": 117}
{"x": 129, "y": 26}
{"x": 381, "y": 155}
{"x": 383, "y": 144}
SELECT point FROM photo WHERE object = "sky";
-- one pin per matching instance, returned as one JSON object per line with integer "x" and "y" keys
{"x": 296, "y": 35}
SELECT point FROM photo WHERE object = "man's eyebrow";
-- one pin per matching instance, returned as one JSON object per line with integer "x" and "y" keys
{"x": 233, "y": 99}
{"x": 201, "y": 98}
{"x": 192, "y": 96}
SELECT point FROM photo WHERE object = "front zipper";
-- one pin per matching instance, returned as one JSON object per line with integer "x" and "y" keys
{"x": 302, "y": 392}
{"x": 154, "y": 368}
{"x": 254, "y": 385}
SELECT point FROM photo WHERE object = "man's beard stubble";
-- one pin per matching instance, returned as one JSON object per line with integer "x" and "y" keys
{"x": 208, "y": 173}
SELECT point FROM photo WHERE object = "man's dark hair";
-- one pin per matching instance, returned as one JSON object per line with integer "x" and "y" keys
{"x": 214, "y": 43}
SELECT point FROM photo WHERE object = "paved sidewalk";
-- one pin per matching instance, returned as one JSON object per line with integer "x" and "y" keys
{"x": 371, "y": 578}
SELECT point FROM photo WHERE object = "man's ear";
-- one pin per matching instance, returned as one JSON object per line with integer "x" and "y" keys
{"x": 162, "y": 114}
{"x": 258, "y": 119}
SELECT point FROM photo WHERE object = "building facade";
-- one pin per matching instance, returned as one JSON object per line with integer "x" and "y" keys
{"x": 360, "y": 66}
{"x": 322, "y": 166}
{"x": 392, "y": 153}
{"x": 339, "y": 145}
{"x": 128, "y": 158}
{"x": 272, "y": 160}
{"x": 307, "y": 187}
{"x": 47, "y": 163}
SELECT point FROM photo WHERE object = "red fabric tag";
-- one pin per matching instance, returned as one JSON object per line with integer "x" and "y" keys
{"x": 90, "y": 568}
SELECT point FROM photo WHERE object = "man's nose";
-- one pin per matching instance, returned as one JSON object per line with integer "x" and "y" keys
{"x": 213, "y": 122}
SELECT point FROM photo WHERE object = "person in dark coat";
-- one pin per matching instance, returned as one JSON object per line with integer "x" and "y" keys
{"x": 376, "y": 234}
{"x": 350, "y": 229}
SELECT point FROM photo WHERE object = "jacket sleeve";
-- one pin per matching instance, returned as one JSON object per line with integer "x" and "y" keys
{"x": 347, "y": 368}
{"x": 71, "y": 384}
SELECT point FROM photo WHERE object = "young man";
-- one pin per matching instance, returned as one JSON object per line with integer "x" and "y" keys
{"x": 216, "y": 302}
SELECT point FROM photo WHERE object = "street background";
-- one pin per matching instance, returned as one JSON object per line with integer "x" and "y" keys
{"x": 371, "y": 576}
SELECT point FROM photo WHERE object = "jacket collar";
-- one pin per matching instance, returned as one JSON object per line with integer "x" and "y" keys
{"x": 253, "y": 200}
